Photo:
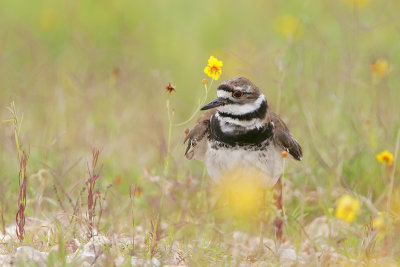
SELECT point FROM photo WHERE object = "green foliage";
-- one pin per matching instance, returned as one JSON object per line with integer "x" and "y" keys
{"x": 92, "y": 74}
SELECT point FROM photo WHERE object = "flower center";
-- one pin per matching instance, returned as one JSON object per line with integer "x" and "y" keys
{"x": 214, "y": 69}
{"x": 348, "y": 208}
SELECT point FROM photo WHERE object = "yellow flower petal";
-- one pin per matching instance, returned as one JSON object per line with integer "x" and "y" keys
{"x": 213, "y": 69}
{"x": 207, "y": 70}
{"x": 289, "y": 26}
{"x": 380, "y": 67}
{"x": 385, "y": 157}
{"x": 379, "y": 223}
{"x": 348, "y": 207}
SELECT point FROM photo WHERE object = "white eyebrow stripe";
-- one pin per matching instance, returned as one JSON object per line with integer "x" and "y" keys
{"x": 224, "y": 94}
{"x": 245, "y": 89}
{"x": 236, "y": 109}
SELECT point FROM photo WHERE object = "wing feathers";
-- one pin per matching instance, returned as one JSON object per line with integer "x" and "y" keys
{"x": 195, "y": 146}
{"x": 284, "y": 139}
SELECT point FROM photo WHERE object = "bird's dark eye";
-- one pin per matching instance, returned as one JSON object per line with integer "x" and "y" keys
{"x": 237, "y": 94}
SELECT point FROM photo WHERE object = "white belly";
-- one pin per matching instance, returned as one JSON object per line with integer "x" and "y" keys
{"x": 267, "y": 162}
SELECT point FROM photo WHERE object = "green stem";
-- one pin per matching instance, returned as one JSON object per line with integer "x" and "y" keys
{"x": 199, "y": 105}
{"x": 170, "y": 120}
{"x": 282, "y": 177}
{"x": 280, "y": 85}
{"x": 393, "y": 171}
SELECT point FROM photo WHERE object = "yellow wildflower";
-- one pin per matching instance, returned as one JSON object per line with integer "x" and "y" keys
{"x": 385, "y": 157}
{"x": 241, "y": 192}
{"x": 289, "y": 26}
{"x": 347, "y": 208}
{"x": 379, "y": 223}
{"x": 380, "y": 67}
{"x": 213, "y": 68}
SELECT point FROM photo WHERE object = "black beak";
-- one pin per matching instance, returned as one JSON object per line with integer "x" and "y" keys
{"x": 215, "y": 103}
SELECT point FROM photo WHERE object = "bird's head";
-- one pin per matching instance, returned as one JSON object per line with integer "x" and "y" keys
{"x": 237, "y": 96}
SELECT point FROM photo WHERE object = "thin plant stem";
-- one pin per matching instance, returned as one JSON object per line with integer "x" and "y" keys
{"x": 199, "y": 105}
{"x": 281, "y": 73}
{"x": 282, "y": 181}
{"x": 17, "y": 127}
{"x": 393, "y": 171}
{"x": 170, "y": 120}
{"x": 132, "y": 193}
{"x": 22, "y": 178}
{"x": 278, "y": 103}
{"x": 191, "y": 117}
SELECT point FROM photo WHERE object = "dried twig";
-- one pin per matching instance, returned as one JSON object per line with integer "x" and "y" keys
{"x": 92, "y": 196}
{"x": 132, "y": 193}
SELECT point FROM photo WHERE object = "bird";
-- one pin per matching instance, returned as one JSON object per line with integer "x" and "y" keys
{"x": 238, "y": 130}
{"x": 237, "y": 135}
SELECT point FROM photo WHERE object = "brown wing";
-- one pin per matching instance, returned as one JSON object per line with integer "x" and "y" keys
{"x": 283, "y": 138}
{"x": 197, "y": 144}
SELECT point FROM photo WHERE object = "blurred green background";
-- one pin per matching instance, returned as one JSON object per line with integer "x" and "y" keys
{"x": 92, "y": 74}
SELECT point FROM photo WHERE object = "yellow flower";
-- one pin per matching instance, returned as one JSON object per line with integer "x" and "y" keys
{"x": 380, "y": 67}
{"x": 213, "y": 68}
{"x": 289, "y": 26}
{"x": 358, "y": 3}
{"x": 347, "y": 208}
{"x": 385, "y": 157}
{"x": 241, "y": 193}
{"x": 379, "y": 223}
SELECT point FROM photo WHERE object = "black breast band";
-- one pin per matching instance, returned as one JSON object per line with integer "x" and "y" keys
{"x": 246, "y": 138}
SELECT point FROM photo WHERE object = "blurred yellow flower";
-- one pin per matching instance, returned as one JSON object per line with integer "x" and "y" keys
{"x": 347, "y": 208}
{"x": 385, "y": 157}
{"x": 358, "y": 3}
{"x": 289, "y": 26}
{"x": 380, "y": 67}
{"x": 213, "y": 68}
{"x": 379, "y": 223}
{"x": 241, "y": 192}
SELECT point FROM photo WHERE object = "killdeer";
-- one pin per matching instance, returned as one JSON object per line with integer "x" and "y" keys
{"x": 239, "y": 131}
